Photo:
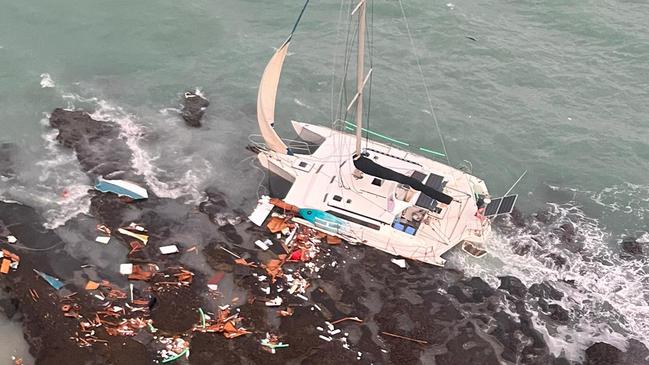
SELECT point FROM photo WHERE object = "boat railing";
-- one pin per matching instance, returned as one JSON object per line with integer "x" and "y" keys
{"x": 257, "y": 141}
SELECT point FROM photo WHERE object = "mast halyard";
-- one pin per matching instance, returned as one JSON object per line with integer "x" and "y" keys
{"x": 360, "y": 63}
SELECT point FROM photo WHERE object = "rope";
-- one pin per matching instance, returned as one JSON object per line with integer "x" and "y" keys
{"x": 423, "y": 80}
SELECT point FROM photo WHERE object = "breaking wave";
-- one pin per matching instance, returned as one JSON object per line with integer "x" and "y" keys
{"x": 186, "y": 185}
{"x": 62, "y": 187}
{"x": 46, "y": 81}
{"x": 607, "y": 296}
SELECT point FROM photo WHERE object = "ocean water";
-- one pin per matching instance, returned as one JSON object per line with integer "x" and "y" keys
{"x": 557, "y": 88}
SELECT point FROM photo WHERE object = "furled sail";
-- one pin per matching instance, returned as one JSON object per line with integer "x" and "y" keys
{"x": 372, "y": 168}
{"x": 266, "y": 100}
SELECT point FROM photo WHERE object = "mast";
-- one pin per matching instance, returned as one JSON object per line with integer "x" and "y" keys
{"x": 360, "y": 62}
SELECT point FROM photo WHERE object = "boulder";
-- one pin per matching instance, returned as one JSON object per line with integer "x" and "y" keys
{"x": 558, "y": 313}
{"x": 602, "y": 353}
{"x": 631, "y": 246}
{"x": 545, "y": 290}
{"x": 513, "y": 286}
{"x": 98, "y": 146}
{"x": 194, "y": 106}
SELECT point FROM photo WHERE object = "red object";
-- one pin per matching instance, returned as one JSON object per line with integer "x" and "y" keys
{"x": 295, "y": 255}
{"x": 216, "y": 278}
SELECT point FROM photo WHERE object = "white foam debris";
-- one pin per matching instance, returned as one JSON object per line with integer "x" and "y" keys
{"x": 167, "y": 250}
{"x": 46, "y": 81}
{"x": 400, "y": 262}
{"x": 12, "y": 239}
{"x": 274, "y": 302}
{"x": 302, "y": 297}
{"x": 103, "y": 239}
{"x": 262, "y": 210}
{"x": 126, "y": 269}
{"x": 328, "y": 339}
{"x": 261, "y": 245}
{"x": 450, "y": 6}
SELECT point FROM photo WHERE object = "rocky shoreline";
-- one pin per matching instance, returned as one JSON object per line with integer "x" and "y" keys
{"x": 461, "y": 320}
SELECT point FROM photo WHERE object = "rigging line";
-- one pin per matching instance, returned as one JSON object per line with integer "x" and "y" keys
{"x": 335, "y": 57}
{"x": 342, "y": 92}
{"x": 369, "y": 93}
{"x": 298, "y": 19}
{"x": 423, "y": 80}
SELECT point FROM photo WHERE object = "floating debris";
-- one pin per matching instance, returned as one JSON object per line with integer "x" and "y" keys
{"x": 167, "y": 250}
{"x": 405, "y": 338}
{"x": 272, "y": 342}
{"x": 103, "y": 239}
{"x": 126, "y": 269}
{"x": 54, "y": 282}
{"x": 91, "y": 285}
{"x": 138, "y": 236}
{"x": 9, "y": 261}
{"x": 12, "y": 239}
{"x": 400, "y": 262}
{"x": 122, "y": 188}
{"x": 262, "y": 211}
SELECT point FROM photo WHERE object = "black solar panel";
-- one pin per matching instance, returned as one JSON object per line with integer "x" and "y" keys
{"x": 492, "y": 208}
{"x": 502, "y": 205}
{"x": 418, "y": 176}
{"x": 434, "y": 181}
{"x": 508, "y": 204}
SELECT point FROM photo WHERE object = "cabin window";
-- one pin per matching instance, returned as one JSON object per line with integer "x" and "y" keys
{"x": 349, "y": 201}
{"x": 302, "y": 164}
{"x": 377, "y": 181}
{"x": 337, "y": 198}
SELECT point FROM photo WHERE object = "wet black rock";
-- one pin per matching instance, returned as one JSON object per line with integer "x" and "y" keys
{"x": 98, "y": 146}
{"x": 558, "y": 313}
{"x": 556, "y": 258}
{"x": 603, "y": 354}
{"x": 513, "y": 286}
{"x": 474, "y": 290}
{"x": 545, "y": 290}
{"x": 567, "y": 233}
{"x": 194, "y": 106}
{"x": 631, "y": 246}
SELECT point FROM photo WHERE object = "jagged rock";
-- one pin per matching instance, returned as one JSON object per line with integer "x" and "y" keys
{"x": 98, "y": 147}
{"x": 194, "y": 106}
{"x": 558, "y": 313}
{"x": 513, "y": 286}
{"x": 558, "y": 259}
{"x": 603, "y": 354}
{"x": 636, "y": 353}
{"x": 567, "y": 232}
{"x": 545, "y": 290}
{"x": 521, "y": 248}
{"x": 631, "y": 246}
{"x": 575, "y": 246}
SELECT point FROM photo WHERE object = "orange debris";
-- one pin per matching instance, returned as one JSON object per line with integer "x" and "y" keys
{"x": 276, "y": 224}
{"x": 92, "y": 285}
{"x": 5, "y": 266}
{"x": 281, "y": 204}
{"x": 333, "y": 240}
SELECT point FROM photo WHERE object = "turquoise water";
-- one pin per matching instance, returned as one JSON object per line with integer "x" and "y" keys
{"x": 557, "y": 88}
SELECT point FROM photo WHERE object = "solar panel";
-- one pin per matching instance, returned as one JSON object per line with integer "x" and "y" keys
{"x": 502, "y": 205}
{"x": 508, "y": 204}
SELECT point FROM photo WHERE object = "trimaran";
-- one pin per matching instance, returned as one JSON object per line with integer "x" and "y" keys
{"x": 373, "y": 193}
